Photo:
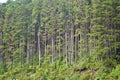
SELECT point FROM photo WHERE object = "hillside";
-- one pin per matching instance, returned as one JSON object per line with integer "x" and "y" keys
{"x": 60, "y": 40}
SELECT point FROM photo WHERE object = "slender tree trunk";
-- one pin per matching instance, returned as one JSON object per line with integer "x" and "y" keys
{"x": 115, "y": 49}
{"x": 36, "y": 37}
{"x": 21, "y": 57}
{"x": 66, "y": 48}
{"x": 45, "y": 43}
{"x": 28, "y": 48}
{"x": 59, "y": 45}
{"x": 39, "y": 49}
{"x": 76, "y": 50}
{"x": 52, "y": 49}
{"x": 28, "y": 53}
{"x": 72, "y": 45}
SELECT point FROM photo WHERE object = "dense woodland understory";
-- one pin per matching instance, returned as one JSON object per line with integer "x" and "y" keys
{"x": 60, "y": 40}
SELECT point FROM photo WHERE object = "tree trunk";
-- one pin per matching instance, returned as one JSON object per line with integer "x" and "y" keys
{"x": 28, "y": 48}
{"x": 52, "y": 49}
{"x": 39, "y": 49}
{"x": 45, "y": 43}
{"x": 66, "y": 48}
{"x": 72, "y": 45}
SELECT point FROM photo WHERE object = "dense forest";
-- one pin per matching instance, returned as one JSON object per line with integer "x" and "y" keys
{"x": 60, "y": 40}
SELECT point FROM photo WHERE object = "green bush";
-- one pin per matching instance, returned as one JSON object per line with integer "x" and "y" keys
{"x": 115, "y": 74}
{"x": 87, "y": 76}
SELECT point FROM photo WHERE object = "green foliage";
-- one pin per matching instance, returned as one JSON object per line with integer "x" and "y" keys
{"x": 2, "y": 68}
{"x": 110, "y": 63}
{"x": 94, "y": 65}
{"x": 115, "y": 74}
{"x": 58, "y": 70}
{"x": 69, "y": 39}
{"x": 87, "y": 76}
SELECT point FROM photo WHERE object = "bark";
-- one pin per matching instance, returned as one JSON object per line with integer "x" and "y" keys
{"x": 28, "y": 49}
{"x": 21, "y": 56}
{"x": 52, "y": 49}
{"x": 39, "y": 49}
{"x": 45, "y": 43}
{"x": 66, "y": 48}
{"x": 72, "y": 45}
{"x": 59, "y": 45}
